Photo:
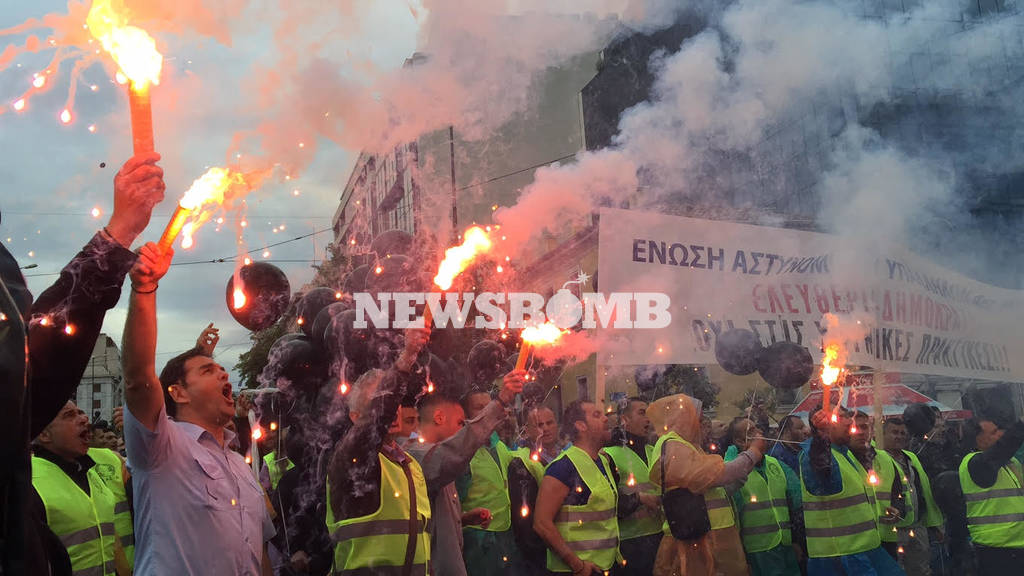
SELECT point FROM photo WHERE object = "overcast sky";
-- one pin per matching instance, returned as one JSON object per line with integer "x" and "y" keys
{"x": 53, "y": 174}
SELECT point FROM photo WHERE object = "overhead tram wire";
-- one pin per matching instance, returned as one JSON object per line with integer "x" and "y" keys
{"x": 227, "y": 259}
{"x": 90, "y": 215}
{"x": 520, "y": 171}
{"x": 233, "y": 258}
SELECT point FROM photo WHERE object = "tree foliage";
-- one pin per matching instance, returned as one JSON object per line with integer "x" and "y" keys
{"x": 659, "y": 381}
{"x": 763, "y": 396}
{"x": 251, "y": 363}
{"x": 331, "y": 271}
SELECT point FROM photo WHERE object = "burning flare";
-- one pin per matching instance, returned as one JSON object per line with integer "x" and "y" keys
{"x": 457, "y": 258}
{"x": 830, "y": 369}
{"x": 545, "y": 334}
{"x": 132, "y": 48}
{"x": 239, "y": 299}
{"x": 206, "y": 192}
{"x": 136, "y": 55}
{"x": 209, "y": 188}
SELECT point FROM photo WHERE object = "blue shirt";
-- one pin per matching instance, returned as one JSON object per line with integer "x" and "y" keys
{"x": 199, "y": 509}
{"x": 785, "y": 455}
{"x": 565, "y": 472}
{"x": 818, "y": 485}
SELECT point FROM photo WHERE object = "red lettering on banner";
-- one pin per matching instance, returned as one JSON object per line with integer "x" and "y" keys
{"x": 774, "y": 301}
{"x": 757, "y": 299}
{"x": 900, "y": 311}
{"x": 804, "y": 291}
{"x": 835, "y": 301}
{"x": 821, "y": 298}
{"x": 788, "y": 297}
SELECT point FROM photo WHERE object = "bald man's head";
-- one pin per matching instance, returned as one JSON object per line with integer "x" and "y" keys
{"x": 543, "y": 425}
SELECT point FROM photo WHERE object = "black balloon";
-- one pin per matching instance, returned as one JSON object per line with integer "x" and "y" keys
{"x": 442, "y": 377}
{"x": 486, "y": 362}
{"x": 296, "y": 360}
{"x": 393, "y": 274}
{"x": 737, "y": 351}
{"x": 392, "y": 243}
{"x": 919, "y": 418}
{"x": 310, "y": 305}
{"x": 356, "y": 280}
{"x": 357, "y": 344}
{"x": 785, "y": 365}
{"x": 533, "y": 392}
{"x": 270, "y": 407}
{"x": 323, "y": 332}
{"x": 267, "y": 293}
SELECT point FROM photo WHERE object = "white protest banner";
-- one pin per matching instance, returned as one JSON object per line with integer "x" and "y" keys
{"x": 912, "y": 315}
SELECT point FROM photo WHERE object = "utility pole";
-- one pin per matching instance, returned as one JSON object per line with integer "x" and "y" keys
{"x": 455, "y": 209}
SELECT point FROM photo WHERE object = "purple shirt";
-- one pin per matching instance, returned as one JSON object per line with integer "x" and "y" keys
{"x": 198, "y": 508}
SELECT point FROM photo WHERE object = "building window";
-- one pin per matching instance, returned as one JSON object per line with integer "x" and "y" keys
{"x": 582, "y": 389}
{"x": 97, "y": 404}
{"x": 97, "y": 387}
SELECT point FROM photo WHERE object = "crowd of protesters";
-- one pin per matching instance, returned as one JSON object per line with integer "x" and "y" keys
{"x": 413, "y": 483}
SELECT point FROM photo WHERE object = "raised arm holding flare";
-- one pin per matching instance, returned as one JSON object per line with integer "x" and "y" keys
{"x": 193, "y": 493}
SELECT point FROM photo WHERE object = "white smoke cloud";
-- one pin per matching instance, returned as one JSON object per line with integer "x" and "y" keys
{"x": 767, "y": 81}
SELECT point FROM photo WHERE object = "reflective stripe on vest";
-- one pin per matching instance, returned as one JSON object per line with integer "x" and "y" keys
{"x": 844, "y": 523}
{"x": 995, "y": 515}
{"x": 764, "y": 514}
{"x": 112, "y": 474}
{"x": 274, "y": 469}
{"x": 83, "y": 522}
{"x": 719, "y": 505}
{"x": 108, "y": 567}
{"x": 376, "y": 543}
{"x": 887, "y": 469}
{"x": 488, "y": 487}
{"x": 417, "y": 570}
{"x": 633, "y": 479}
{"x": 591, "y": 530}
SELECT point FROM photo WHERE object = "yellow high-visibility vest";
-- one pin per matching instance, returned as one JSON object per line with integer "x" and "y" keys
{"x": 764, "y": 516}
{"x": 995, "y": 515}
{"x": 633, "y": 479}
{"x": 488, "y": 487}
{"x": 83, "y": 522}
{"x": 274, "y": 468}
{"x": 525, "y": 455}
{"x": 590, "y": 530}
{"x": 887, "y": 469}
{"x": 932, "y": 514}
{"x": 380, "y": 540}
{"x": 844, "y": 523}
{"x": 112, "y": 474}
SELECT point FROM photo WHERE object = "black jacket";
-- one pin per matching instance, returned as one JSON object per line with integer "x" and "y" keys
{"x": 38, "y": 379}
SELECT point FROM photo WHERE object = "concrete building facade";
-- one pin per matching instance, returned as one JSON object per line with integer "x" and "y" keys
{"x": 101, "y": 389}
